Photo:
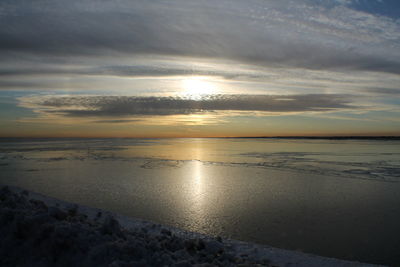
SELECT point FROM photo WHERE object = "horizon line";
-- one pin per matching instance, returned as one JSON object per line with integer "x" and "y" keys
{"x": 215, "y": 137}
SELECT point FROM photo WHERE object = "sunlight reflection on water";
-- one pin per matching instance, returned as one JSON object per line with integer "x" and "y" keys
{"x": 197, "y": 196}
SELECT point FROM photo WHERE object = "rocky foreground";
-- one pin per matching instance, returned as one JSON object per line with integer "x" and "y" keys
{"x": 35, "y": 233}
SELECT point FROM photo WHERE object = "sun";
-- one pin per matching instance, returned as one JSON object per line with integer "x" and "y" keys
{"x": 196, "y": 87}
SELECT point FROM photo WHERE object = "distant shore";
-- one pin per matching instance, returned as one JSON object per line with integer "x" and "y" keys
{"x": 328, "y": 137}
{"x": 356, "y": 137}
{"x": 39, "y": 230}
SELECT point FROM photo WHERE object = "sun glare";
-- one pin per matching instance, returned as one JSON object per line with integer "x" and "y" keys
{"x": 196, "y": 87}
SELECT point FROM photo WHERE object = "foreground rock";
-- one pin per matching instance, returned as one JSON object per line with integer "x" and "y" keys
{"x": 35, "y": 233}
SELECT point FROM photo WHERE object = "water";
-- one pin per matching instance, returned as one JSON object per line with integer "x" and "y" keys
{"x": 336, "y": 198}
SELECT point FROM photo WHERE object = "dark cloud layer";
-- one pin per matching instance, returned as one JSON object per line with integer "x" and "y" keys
{"x": 115, "y": 106}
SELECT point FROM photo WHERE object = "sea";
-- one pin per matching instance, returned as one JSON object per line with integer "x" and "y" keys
{"x": 334, "y": 197}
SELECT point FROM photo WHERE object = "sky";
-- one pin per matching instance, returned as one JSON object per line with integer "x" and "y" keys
{"x": 204, "y": 68}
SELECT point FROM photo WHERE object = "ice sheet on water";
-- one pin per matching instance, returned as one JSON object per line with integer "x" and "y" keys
{"x": 358, "y": 166}
{"x": 360, "y": 160}
{"x": 155, "y": 163}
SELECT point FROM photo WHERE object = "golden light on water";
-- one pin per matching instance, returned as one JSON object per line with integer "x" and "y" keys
{"x": 197, "y": 176}
{"x": 197, "y": 192}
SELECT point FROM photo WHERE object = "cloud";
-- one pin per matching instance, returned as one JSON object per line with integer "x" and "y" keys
{"x": 301, "y": 34}
{"x": 384, "y": 91}
{"x": 123, "y": 106}
{"x": 116, "y": 121}
{"x": 345, "y": 2}
{"x": 125, "y": 71}
{"x": 13, "y": 84}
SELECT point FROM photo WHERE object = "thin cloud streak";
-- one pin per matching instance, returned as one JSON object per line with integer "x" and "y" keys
{"x": 384, "y": 91}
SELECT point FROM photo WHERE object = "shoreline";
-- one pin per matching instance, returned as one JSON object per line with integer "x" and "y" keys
{"x": 121, "y": 238}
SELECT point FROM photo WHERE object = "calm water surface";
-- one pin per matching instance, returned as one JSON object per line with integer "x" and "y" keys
{"x": 337, "y": 198}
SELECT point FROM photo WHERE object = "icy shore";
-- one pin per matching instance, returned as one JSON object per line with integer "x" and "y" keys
{"x": 37, "y": 230}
